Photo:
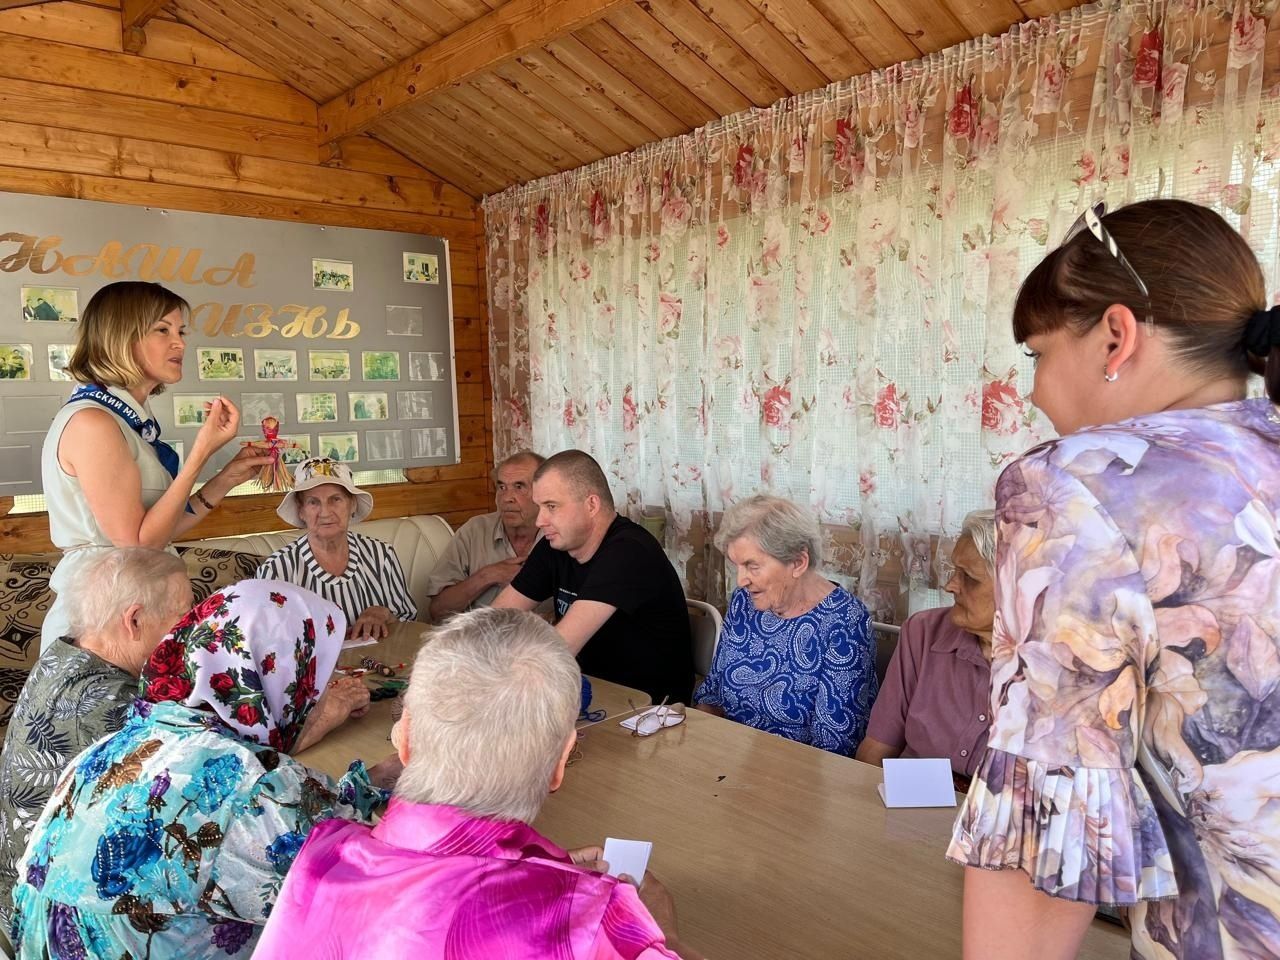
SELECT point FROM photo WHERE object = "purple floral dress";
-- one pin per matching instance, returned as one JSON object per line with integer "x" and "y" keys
{"x": 1135, "y": 753}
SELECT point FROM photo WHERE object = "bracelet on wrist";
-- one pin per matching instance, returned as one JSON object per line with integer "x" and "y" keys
{"x": 201, "y": 497}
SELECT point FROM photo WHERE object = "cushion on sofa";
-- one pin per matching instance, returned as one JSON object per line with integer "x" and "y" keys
{"x": 212, "y": 569}
{"x": 24, "y": 600}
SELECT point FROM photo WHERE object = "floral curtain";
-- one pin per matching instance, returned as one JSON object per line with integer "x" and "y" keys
{"x": 814, "y": 298}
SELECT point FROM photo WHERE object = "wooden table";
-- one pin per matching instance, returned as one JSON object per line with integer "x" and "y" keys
{"x": 368, "y": 738}
{"x": 772, "y": 850}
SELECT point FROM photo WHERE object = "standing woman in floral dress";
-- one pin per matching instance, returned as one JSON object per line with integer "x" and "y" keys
{"x": 1134, "y": 757}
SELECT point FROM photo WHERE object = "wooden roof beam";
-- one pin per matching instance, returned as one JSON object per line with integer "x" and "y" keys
{"x": 495, "y": 38}
{"x": 134, "y": 15}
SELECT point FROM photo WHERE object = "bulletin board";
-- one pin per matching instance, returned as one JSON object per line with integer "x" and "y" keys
{"x": 345, "y": 335}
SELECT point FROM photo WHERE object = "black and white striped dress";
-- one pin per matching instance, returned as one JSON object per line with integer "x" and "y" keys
{"x": 374, "y": 577}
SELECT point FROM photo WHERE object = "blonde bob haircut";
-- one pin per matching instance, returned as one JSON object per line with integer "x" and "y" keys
{"x": 117, "y": 317}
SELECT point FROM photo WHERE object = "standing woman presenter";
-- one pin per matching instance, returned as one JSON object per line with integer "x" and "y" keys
{"x": 108, "y": 478}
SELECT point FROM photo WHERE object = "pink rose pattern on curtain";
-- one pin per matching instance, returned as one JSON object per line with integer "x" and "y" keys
{"x": 815, "y": 298}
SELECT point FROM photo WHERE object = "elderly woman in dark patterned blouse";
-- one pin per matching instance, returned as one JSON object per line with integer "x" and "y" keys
{"x": 81, "y": 687}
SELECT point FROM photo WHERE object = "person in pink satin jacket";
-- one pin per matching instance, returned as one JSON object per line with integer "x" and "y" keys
{"x": 454, "y": 871}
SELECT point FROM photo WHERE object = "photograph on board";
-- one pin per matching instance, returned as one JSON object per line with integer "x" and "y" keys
{"x": 256, "y": 407}
{"x": 429, "y": 442}
{"x": 426, "y": 366}
{"x": 189, "y": 408}
{"x": 367, "y": 406}
{"x": 404, "y": 321}
{"x": 300, "y": 449}
{"x": 329, "y": 364}
{"x": 414, "y": 404}
{"x": 383, "y": 445}
{"x": 421, "y": 268}
{"x": 317, "y": 407}
{"x": 333, "y": 275}
{"x": 380, "y": 365}
{"x": 59, "y": 357}
{"x": 340, "y": 446}
{"x": 15, "y": 361}
{"x": 275, "y": 364}
{"x": 220, "y": 363}
{"x": 50, "y": 304}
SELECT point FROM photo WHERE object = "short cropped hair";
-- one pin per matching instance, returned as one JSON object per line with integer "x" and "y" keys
{"x": 110, "y": 581}
{"x": 980, "y": 527}
{"x": 522, "y": 456}
{"x": 116, "y": 317}
{"x": 783, "y": 530}
{"x": 491, "y": 703}
{"x": 581, "y": 471}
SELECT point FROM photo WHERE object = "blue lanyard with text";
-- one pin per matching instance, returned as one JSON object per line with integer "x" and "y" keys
{"x": 148, "y": 430}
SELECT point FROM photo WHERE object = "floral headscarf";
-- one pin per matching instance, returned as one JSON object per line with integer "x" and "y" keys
{"x": 257, "y": 654}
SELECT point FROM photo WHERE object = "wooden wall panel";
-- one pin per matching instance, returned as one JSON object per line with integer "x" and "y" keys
{"x": 197, "y": 127}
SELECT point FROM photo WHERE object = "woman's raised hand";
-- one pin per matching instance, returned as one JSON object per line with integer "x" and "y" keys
{"x": 221, "y": 421}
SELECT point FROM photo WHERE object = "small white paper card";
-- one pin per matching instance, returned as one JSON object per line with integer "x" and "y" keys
{"x": 918, "y": 782}
{"x": 358, "y": 642}
{"x": 627, "y": 856}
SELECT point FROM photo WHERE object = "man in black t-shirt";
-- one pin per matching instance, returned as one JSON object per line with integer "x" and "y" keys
{"x": 618, "y": 602}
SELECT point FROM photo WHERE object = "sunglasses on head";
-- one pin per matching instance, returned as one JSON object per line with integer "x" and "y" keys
{"x": 1091, "y": 220}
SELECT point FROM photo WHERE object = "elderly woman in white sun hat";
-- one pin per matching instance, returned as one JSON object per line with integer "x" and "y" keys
{"x": 361, "y": 575}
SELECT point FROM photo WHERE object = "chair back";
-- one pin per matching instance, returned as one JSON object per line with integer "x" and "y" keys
{"x": 886, "y": 644}
{"x": 705, "y": 621}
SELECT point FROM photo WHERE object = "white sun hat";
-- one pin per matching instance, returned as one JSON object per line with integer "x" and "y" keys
{"x": 316, "y": 472}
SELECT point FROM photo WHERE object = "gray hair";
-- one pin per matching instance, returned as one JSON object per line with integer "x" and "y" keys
{"x": 980, "y": 527}
{"x": 783, "y": 530}
{"x": 111, "y": 581}
{"x": 492, "y": 700}
{"x": 520, "y": 456}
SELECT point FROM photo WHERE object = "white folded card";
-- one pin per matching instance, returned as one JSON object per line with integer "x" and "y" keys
{"x": 358, "y": 642}
{"x": 627, "y": 856}
{"x": 918, "y": 782}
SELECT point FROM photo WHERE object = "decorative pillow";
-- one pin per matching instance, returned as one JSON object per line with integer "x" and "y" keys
{"x": 211, "y": 569}
{"x": 25, "y": 598}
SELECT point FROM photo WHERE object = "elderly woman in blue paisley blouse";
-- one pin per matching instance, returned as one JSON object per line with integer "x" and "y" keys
{"x": 796, "y": 655}
{"x": 171, "y": 838}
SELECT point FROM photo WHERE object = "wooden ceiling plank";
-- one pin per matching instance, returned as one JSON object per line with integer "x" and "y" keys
{"x": 688, "y": 69}
{"x": 982, "y": 18}
{"x": 626, "y": 128}
{"x": 514, "y": 102}
{"x": 501, "y": 35}
{"x": 436, "y": 129}
{"x": 15, "y": 4}
{"x": 289, "y": 37}
{"x": 499, "y": 135}
{"x": 529, "y": 84}
{"x": 612, "y": 47}
{"x": 493, "y": 145}
{"x": 402, "y": 136}
{"x": 930, "y": 25}
{"x": 146, "y": 79}
{"x": 709, "y": 41}
{"x": 446, "y": 166}
{"x": 94, "y": 27}
{"x": 252, "y": 37}
{"x": 764, "y": 43}
{"x": 583, "y": 61}
{"x": 363, "y": 57}
{"x": 871, "y": 31}
{"x": 516, "y": 126}
{"x": 134, "y": 13}
{"x": 1035, "y": 9}
{"x": 355, "y": 17}
{"x": 404, "y": 20}
{"x": 815, "y": 36}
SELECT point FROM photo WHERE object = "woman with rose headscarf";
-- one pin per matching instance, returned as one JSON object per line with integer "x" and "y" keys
{"x": 171, "y": 838}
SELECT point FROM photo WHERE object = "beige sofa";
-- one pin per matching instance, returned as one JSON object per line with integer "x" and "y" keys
{"x": 417, "y": 541}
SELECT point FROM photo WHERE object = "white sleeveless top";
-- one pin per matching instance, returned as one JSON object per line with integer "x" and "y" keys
{"x": 72, "y": 526}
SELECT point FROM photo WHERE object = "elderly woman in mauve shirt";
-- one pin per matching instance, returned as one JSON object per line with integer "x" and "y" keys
{"x": 936, "y": 697}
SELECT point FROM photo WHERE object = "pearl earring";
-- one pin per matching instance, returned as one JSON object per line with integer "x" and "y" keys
{"x": 1109, "y": 377}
